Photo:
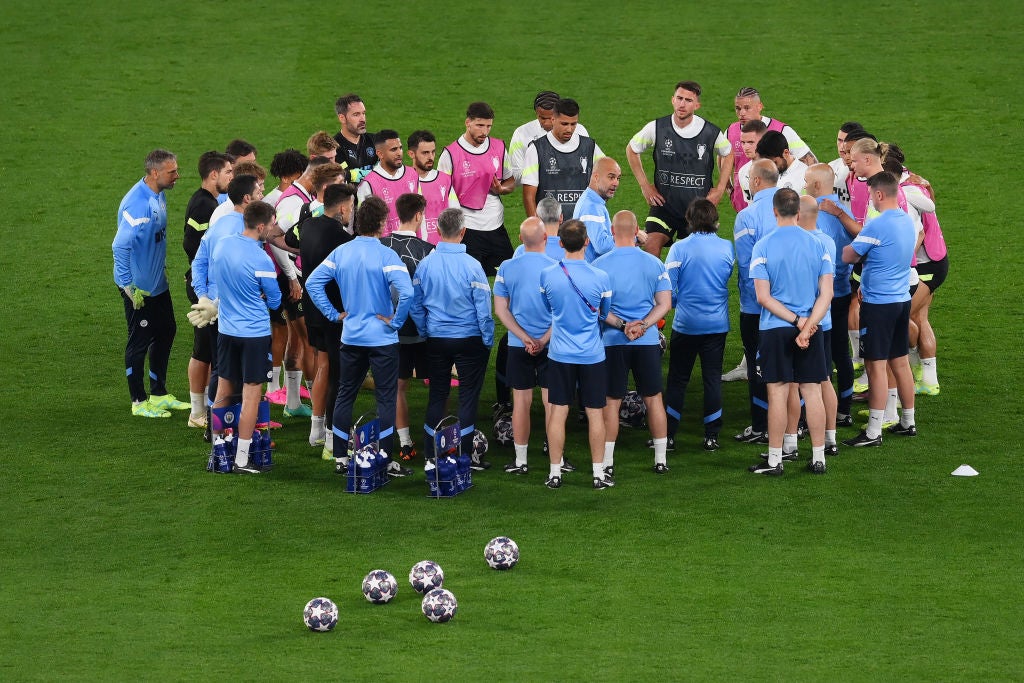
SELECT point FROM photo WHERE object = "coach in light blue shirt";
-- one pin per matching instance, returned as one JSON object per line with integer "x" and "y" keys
{"x": 365, "y": 271}
{"x": 452, "y": 309}
{"x": 592, "y": 207}
{"x": 699, "y": 268}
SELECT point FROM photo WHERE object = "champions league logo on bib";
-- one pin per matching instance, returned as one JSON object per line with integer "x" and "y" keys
{"x": 668, "y": 145}
{"x": 467, "y": 167}
{"x": 552, "y": 165}
{"x": 583, "y": 164}
{"x": 701, "y": 148}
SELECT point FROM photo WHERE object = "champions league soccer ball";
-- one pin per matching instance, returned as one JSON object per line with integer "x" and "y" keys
{"x": 501, "y": 553}
{"x": 379, "y": 587}
{"x": 479, "y": 444}
{"x": 425, "y": 576}
{"x": 439, "y": 605}
{"x": 320, "y": 614}
{"x": 503, "y": 430}
{"x": 632, "y": 410}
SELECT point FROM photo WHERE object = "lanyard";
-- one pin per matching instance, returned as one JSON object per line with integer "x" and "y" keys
{"x": 583, "y": 298}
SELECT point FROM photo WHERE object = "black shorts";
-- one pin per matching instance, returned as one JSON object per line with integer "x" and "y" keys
{"x": 243, "y": 360}
{"x": 289, "y": 310}
{"x": 524, "y": 371}
{"x": 662, "y": 219}
{"x": 779, "y": 359}
{"x": 489, "y": 247}
{"x": 933, "y": 273}
{"x": 324, "y": 337}
{"x": 412, "y": 358}
{"x": 645, "y": 362}
{"x": 563, "y": 378}
{"x": 204, "y": 341}
{"x": 884, "y": 330}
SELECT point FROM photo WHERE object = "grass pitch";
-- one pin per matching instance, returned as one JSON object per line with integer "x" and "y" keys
{"x": 122, "y": 559}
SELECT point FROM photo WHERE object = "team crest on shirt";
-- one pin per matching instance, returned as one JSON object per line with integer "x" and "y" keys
{"x": 701, "y": 148}
{"x": 371, "y": 152}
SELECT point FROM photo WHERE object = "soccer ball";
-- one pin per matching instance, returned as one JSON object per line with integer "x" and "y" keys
{"x": 501, "y": 553}
{"x": 439, "y": 605}
{"x": 503, "y": 430}
{"x": 379, "y": 587}
{"x": 479, "y": 444}
{"x": 425, "y": 576}
{"x": 632, "y": 410}
{"x": 320, "y": 614}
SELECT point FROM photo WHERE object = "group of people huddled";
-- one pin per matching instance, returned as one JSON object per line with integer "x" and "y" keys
{"x": 357, "y": 263}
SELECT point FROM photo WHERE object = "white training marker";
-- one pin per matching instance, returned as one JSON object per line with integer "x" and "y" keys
{"x": 965, "y": 471}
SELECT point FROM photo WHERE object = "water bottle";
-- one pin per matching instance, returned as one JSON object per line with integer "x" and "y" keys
{"x": 446, "y": 468}
{"x": 430, "y": 472}
{"x": 465, "y": 474}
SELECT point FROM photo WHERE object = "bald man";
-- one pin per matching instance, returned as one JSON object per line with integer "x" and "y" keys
{"x": 753, "y": 223}
{"x": 821, "y": 181}
{"x": 641, "y": 296}
{"x": 549, "y": 211}
{"x": 520, "y": 307}
{"x": 592, "y": 207}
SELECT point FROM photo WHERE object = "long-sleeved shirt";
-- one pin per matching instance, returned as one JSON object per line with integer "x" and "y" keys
{"x": 592, "y": 209}
{"x": 140, "y": 246}
{"x": 453, "y": 299}
{"x": 752, "y": 223}
{"x": 365, "y": 271}
{"x": 202, "y": 277}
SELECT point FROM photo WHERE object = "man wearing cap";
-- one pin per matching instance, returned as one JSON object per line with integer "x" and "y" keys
{"x": 544, "y": 106}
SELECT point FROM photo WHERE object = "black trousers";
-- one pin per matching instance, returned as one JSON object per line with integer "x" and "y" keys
{"x": 684, "y": 350}
{"x": 470, "y": 356}
{"x": 841, "y": 352}
{"x": 354, "y": 362}
{"x": 749, "y": 332}
{"x": 151, "y": 331}
{"x": 490, "y": 248}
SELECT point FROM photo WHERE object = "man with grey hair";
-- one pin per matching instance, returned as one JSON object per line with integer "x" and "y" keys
{"x": 452, "y": 310}
{"x": 140, "y": 256}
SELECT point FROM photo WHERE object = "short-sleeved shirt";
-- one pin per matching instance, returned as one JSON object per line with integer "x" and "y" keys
{"x": 831, "y": 226}
{"x": 698, "y": 269}
{"x": 888, "y": 243}
{"x": 635, "y": 278}
{"x": 521, "y": 139}
{"x": 792, "y": 260}
{"x": 575, "y": 321}
{"x": 518, "y": 280}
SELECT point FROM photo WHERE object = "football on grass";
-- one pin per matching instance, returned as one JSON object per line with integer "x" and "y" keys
{"x": 501, "y": 553}
{"x": 425, "y": 576}
{"x": 379, "y": 586}
{"x": 439, "y": 605}
{"x": 320, "y": 614}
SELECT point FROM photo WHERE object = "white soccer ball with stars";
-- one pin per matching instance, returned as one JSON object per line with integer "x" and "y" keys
{"x": 379, "y": 586}
{"x": 439, "y": 605}
{"x": 501, "y": 553}
{"x": 479, "y": 443}
{"x": 320, "y": 614}
{"x": 425, "y": 576}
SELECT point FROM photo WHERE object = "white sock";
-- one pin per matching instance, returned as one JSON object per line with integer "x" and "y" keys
{"x": 292, "y": 380}
{"x": 275, "y": 379}
{"x": 404, "y": 437}
{"x": 329, "y": 441}
{"x": 609, "y": 454}
{"x": 555, "y": 470}
{"x": 907, "y": 419}
{"x": 660, "y": 447}
{"x": 874, "y": 429}
{"x": 789, "y": 443}
{"x": 928, "y": 374}
{"x": 830, "y": 437}
{"x": 774, "y": 457}
{"x": 817, "y": 454}
{"x": 915, "y": 357}
{"x": 598, "y": 470}
{"x": 521, "y": 454}
{"x": 890, "y": 406}
{"x": 198, "y": 403}
{"x": 242, "y": 453}
{"x": 316, "y": 430}
{"x": 855, "y": 343}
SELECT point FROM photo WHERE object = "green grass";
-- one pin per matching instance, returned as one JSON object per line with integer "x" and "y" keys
{"x": 121, "y": 559}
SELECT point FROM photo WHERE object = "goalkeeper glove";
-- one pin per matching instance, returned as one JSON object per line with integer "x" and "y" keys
{"x": 136, "y": 295}
{"x": 203, "y": 313}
